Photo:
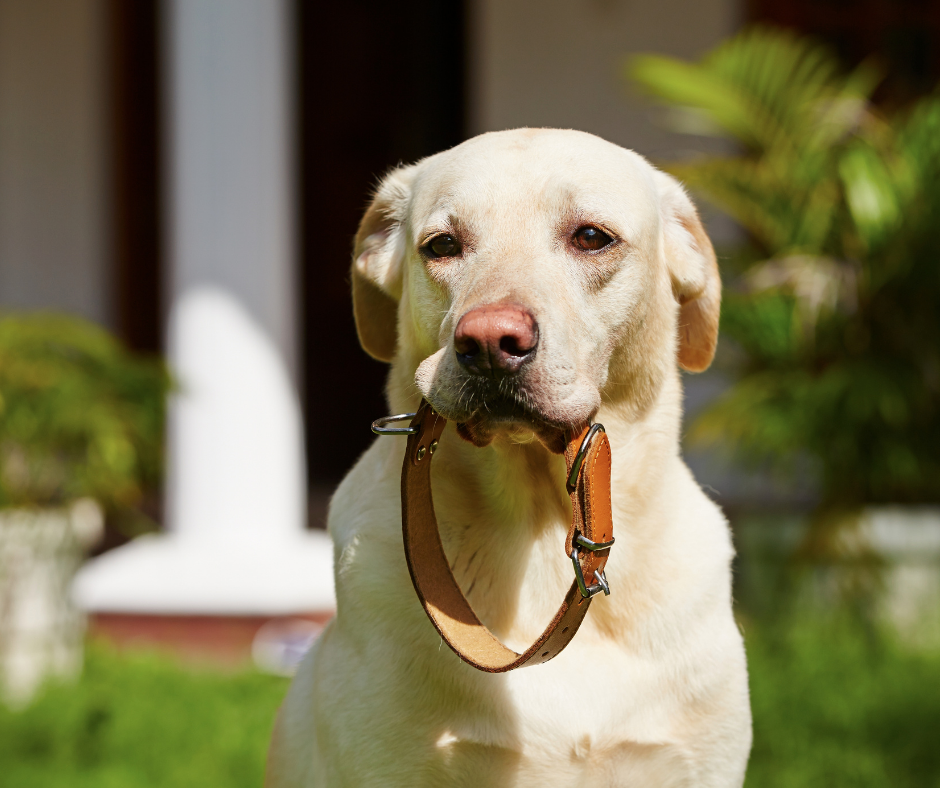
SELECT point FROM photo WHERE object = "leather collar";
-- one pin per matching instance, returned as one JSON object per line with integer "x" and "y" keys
{"x": 587, "y": 544}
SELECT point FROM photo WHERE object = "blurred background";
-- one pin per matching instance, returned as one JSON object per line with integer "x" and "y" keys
{"x": 181, "y": 385}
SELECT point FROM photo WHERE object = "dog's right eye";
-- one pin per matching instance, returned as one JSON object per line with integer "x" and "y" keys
{"x": 591, "y": 239}
{"x": 442, "y": 246}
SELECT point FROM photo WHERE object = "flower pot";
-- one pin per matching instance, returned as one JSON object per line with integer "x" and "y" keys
{"x": 41, "y": 630}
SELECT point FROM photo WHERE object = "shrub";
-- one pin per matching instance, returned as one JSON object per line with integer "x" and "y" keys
{"x": 80, "y": 416}
{"x": 833, "y": 304}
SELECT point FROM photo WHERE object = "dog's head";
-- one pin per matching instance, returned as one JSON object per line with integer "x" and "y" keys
{"x": 525, "y": 276}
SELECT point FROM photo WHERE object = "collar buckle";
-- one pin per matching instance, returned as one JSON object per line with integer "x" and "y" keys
{"x": 587, "y": 591}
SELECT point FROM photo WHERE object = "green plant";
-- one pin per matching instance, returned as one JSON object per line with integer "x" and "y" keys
{"x": 142, "y": 720}
{"x": 834, "y": 302}
{"x": 79, "y": 415}
{"x": 836, "y": 703}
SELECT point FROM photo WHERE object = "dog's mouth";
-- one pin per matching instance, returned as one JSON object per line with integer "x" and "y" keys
{"x": 508, "y": 411}
{"x": 545, "y": 405}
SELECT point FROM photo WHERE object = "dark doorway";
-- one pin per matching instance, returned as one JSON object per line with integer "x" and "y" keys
{"x": 135, "y": 144}
{"x": 902, "y": 35}
{"x": 381, "y": 83}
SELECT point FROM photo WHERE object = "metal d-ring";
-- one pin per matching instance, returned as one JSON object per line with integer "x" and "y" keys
{"x": 582, "y": 541}
{"x": 379, "y": 428}
{"x": 572, "y": 482}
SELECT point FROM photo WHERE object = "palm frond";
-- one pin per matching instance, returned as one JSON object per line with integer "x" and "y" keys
{"x": 838, "y": 332}
{"x": 766, "y": 88}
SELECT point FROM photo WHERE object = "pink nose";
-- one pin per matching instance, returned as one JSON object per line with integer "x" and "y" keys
{"x": 496, "y": 340}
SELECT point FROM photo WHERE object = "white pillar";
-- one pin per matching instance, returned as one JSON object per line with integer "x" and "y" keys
{"x": 236, "y": 481}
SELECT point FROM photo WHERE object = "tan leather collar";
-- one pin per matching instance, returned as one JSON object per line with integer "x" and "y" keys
{"x": 587, "y": 544}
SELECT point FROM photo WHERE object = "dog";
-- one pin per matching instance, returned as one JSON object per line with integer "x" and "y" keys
{"x": 525, "y": 283}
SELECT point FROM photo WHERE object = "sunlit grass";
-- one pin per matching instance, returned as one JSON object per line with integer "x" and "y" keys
{"x": 837, "y": 705}
{"x": 141, "y": 721}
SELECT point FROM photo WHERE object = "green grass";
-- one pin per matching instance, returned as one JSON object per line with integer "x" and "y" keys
{"x": 833, "y": 704}
{"x": 837, "y": 705}
{"x": 141, "y": 721}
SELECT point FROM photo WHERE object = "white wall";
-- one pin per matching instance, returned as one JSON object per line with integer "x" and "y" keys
{"x": 54, "y": 235}
{"x": 561, "y": 63}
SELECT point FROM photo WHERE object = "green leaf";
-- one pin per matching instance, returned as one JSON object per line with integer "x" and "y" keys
{"x": 81, "y": 415}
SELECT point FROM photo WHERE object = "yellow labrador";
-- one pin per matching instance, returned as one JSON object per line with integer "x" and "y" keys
{"x": 523, "y": 283}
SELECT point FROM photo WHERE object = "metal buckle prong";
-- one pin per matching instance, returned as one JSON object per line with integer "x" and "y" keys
{"x": 601, "y": 585}
{"x": 379, "y": 428}
{"x": 579, "y": 457}
{"x": 588, "y": 591}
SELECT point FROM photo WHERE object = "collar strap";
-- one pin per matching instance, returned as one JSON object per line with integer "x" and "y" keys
{"x": 588, "y": 543}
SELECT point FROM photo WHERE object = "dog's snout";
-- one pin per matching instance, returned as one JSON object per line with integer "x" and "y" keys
{"x": 496, "y": 340}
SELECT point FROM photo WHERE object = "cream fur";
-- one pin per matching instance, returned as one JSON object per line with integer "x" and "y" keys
{"x": 653, "y": 689}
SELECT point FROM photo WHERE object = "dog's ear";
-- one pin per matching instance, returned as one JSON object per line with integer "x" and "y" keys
{"x": 693, "y": 269}
{"x": 377, "y": 265}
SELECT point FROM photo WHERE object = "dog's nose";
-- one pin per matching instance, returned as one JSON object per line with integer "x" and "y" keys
{"x": 496, "y": 340}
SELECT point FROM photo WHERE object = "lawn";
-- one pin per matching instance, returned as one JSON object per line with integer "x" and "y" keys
{"x": 141, "y": 721}
{"x": 834, "y": 705}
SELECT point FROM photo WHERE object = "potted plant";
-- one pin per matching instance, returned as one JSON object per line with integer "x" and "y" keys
{"x": 832, "y": 304}
{"x": 81, "y": 432}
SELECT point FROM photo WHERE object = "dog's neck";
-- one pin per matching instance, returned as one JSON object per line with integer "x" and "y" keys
{"x": 503, "y": 511}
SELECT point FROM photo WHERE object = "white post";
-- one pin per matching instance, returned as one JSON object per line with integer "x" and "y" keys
{"x": 236, "y": 481}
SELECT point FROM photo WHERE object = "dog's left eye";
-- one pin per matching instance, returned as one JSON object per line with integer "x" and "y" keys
{"x": 442, "y": 246}
{"x": 590, "y": 239}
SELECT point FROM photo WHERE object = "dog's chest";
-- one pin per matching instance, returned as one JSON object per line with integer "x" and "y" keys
{"x": 590, "y": 715}
{"x": 564, "y": 750}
